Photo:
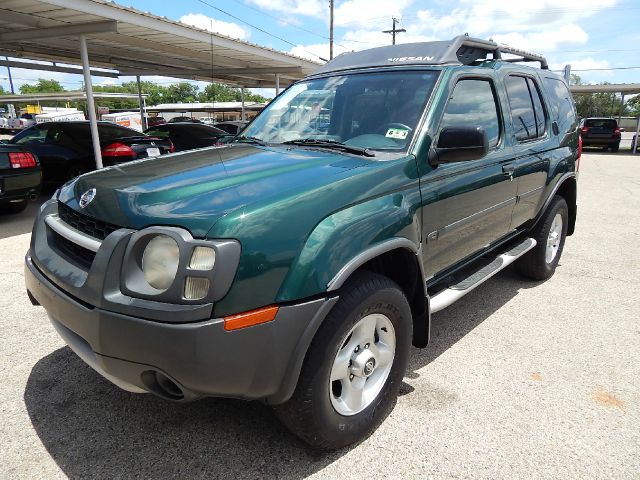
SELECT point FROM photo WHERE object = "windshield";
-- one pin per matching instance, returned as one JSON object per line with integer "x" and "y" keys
{"x": 378, "y": 111}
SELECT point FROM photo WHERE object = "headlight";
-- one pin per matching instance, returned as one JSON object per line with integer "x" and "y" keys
{"x": 160, "y": 261}
{"x": 166, "y": 264}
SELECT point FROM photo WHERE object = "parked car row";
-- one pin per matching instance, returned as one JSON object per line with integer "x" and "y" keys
{"x": 52, "y": 153}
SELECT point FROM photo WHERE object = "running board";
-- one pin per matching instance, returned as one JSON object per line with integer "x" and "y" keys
{"x": 448, "y": 296}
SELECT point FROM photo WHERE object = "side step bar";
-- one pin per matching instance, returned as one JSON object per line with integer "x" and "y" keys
{"x": 449, "y": 295}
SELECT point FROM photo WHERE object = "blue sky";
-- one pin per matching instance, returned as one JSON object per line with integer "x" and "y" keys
{"x": 591, "y": 35}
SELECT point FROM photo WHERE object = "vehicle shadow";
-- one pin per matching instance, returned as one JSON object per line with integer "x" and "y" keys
{"x": 12, "y": 224}
{"x": 91, "y": 428}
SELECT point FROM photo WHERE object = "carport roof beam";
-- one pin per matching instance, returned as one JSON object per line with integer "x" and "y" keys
{"x": 107, "y": 26}
{"x": 55, "y": 68}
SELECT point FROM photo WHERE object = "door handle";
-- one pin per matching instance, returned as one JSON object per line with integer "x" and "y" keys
{"x": 508, "y": 169}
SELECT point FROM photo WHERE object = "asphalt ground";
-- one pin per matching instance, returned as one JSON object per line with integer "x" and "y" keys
{"x": 522, "y": 380}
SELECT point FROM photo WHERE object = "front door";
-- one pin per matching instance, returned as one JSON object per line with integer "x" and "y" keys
{"x": 468, "y": 205}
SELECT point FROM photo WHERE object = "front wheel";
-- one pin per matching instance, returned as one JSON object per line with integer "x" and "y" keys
{"x": 550, "y": 233}
{"x": 354, "y": 367}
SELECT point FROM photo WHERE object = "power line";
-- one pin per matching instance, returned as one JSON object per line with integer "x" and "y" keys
{"x": 599, "y": 69}
{"x": 259, "y": 29}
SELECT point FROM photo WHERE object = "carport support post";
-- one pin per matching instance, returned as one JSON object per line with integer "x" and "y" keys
{"x": 143, "y": 120}
{"x": 277, "y": 84}
{"x": 91, "y": 107}
{"x": 242, "y": 98}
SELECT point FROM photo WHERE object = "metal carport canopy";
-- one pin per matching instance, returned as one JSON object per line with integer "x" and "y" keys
{"x": 138, "y": 43}
{"x": 130, "y": 42}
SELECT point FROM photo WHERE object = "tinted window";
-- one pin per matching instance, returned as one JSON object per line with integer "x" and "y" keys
{"x": 524, "y": 119}
{"x": 201, "y": 130}
{"x": 538, "y": 109}
{"x": 32, "y": 136}
{"x": 162, "y": 132}
{"x": 111, "y": 132}
{"x": 601, "y": 123}
{"x": 473, "y": 103}
{"x": 561, "y": 103}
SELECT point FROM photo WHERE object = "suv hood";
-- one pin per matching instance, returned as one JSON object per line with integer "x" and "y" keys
{"x": 195, "y": 189}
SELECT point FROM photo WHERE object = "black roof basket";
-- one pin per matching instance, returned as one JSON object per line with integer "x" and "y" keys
{"x": 462, "y": 49}
{"x": 468, "y": 50}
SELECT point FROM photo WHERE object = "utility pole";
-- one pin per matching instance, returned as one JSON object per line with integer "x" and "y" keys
{"x": 394, "y": 30}
{"x": 330, "y": 29}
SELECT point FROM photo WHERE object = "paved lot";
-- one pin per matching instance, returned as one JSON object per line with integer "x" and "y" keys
{"x": 523, "y": 380}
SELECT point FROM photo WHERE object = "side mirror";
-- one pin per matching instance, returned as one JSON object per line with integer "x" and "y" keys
{"x": 458, "y": 144}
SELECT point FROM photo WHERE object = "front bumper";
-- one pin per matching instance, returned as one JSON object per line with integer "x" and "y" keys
{"x": 198, "y": 359}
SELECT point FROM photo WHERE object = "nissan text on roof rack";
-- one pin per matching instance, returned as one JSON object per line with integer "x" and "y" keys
{"x": 298, "y": 264}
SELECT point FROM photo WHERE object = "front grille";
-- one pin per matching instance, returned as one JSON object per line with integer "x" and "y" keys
{"x": 84, "y": 223}
{"x": 72, "y": 251}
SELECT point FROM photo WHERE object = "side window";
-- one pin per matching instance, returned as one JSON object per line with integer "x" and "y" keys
{"x": 522, "y": 114}
{"x": 33, "y": 136}
{"x": 538, "y": 108}
{"x": 473, "y": 103}
{"x": 562, "y": 104}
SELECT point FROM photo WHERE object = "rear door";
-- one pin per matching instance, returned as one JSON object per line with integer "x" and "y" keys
{"x": 533, "y": 144}
{"x": 468, "y": 205}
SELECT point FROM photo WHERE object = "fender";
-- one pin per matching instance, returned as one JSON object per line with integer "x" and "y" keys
{"x": 555, "y": 189}
{"x": 348, "y": 238}
{"x": 356, "y": 262}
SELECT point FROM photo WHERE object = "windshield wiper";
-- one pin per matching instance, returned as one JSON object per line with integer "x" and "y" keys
{"x": 245, "y": 139}
{"x": 333, "y": 144}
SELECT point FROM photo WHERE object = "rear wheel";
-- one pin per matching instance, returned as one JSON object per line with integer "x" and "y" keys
{"x": 354, "y": 367}
{"x": 550, "y": 233}
{"x": 615, "y": 148}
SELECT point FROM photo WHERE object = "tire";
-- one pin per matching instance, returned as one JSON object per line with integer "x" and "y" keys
{"x": 615, "y": 148}
{"x": 17, "y": 207}
{"x": 318, "y": 412}
{"x": 541, "y": 261}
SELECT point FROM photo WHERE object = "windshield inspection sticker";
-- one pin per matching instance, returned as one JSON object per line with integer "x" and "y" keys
{"x": 397, "y": 133}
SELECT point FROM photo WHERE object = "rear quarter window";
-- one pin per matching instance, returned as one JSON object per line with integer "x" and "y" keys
{"x": 561, "y": 104}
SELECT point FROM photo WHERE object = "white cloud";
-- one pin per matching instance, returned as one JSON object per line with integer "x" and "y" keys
{"x": 310, "y": 8}
{"x": 364, "y": 13}
{"x": 545, "y": 40}
{"x": 204, "y": 22}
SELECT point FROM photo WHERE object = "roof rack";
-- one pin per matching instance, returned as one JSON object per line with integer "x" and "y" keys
{"x": 461, "y": 50}
{"x": 468, "y": 50}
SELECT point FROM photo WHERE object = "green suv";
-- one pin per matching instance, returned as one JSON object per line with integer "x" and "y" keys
{"x": 298, "y": 264}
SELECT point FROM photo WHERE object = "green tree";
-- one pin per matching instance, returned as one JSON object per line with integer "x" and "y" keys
{"x": 223, "y": 93}
{"x": 3, "y": 91}
{"x": 633, "y": 106}
{"x": 42, "y": 86}
{"x": 182, "y": 92}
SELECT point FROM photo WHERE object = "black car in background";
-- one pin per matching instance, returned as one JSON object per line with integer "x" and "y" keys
{"x": 184, "y": 120}
{"x": 20, "y": 178}
{"x": 187, "y": 136}
{"x": 600, "y": 132}
{"x": 65, "y": 149}
{"x": 233, "y": 127}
